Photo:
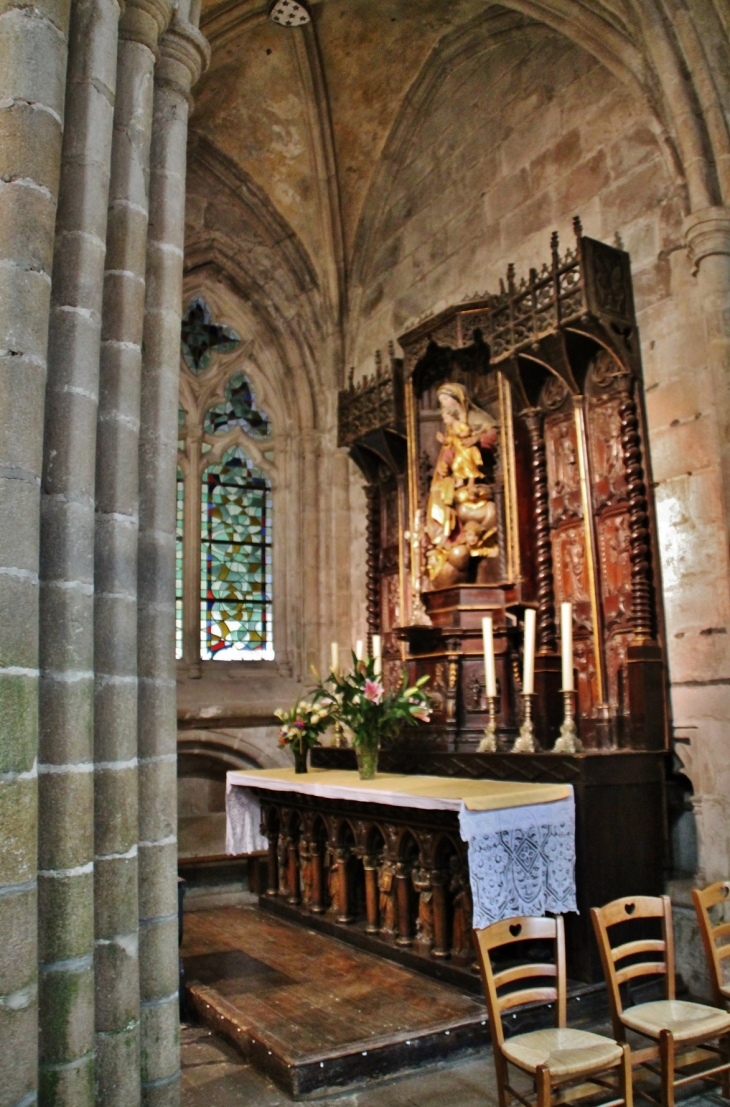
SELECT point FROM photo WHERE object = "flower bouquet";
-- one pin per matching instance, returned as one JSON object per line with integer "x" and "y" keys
{"x": 303, "y": 724}
{"x": 368, "y": 714}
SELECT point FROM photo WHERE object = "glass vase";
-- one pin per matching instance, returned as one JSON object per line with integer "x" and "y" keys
{"x": 367, "y": 760}
{"x": 300, "y": 759}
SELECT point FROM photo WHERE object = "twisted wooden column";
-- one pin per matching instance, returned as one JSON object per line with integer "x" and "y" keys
{"x": 642, "y": 600}
{"x": 372, "y": 554}
{"x": 546, "y": 630}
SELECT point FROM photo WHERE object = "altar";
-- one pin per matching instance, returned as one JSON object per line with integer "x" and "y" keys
{"x": 416, "y": 860}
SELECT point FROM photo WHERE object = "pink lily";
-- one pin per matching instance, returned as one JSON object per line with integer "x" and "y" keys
{"x": 373, "y": 691}
{"x": 421, "y": 713}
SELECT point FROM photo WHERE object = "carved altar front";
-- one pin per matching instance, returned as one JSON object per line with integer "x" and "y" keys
{"x": 506, "y": 465}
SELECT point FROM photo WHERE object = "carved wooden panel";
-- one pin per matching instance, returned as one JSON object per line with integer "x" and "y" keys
{"x": 570, "y": 570}
{"x": 616, "y": 648}
{"x": 615, "y": 561}
{"x": 607, "y": 464}
{"x": 562, "y": 465}
{"x": 585, "y": 665}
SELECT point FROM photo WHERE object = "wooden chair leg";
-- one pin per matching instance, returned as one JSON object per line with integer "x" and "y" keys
{"x": 501, "y": 1072}
{"x": 625, "y": 1078}
{"x": 542, "y": 1086}
{"x": 725, "y": 1054}
{"x": 666, "y": 1052}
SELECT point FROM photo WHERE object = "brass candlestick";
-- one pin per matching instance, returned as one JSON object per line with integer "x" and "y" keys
{"x": 339, "y": 737}
{"x": 488, "y": 743}
{"x": 568, "y": 742}
{"x": 526, "y": 739}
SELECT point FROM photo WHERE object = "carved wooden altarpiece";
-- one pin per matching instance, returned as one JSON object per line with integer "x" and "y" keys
{"x": 552, "y": 364}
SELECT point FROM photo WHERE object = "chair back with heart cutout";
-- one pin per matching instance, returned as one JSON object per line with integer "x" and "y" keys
{"x": 714, "y": 938}
{"x": 662, "y": 949}
{"x": 512, "y": 931}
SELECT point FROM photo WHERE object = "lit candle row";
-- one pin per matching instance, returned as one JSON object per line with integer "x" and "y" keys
{"x": 528, "y": 672}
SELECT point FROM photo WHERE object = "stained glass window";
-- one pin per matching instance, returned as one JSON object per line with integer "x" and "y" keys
{"x": 179, "y": 567}
{"x": 238, "y": 409}
{"x": 200, "y": 336}
{"x": 236, "y": 561}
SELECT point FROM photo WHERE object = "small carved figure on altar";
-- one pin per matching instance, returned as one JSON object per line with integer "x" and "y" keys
{"x": 333, "y": 879}
{"x": 461, "y": 517}
{"x": 282, "y": 856}
{"x": 424, "y": 924}
{"x": 305, "y": 869}
{"x": 463, "y": 910}
{"x": 386, "y": 887}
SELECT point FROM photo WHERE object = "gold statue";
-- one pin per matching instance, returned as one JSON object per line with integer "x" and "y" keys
{"x": 461, "y": 517}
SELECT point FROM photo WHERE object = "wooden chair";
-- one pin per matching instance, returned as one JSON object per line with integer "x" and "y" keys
{"x": 554, "y": 1058}
{"x": 670, "y": 1022}
{"x": 704, "y": 900}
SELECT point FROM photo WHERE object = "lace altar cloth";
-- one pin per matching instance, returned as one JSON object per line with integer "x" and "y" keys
{"x": 521, "y": 860}
{"x": 243, "y": 819}
{"x": 521, "y": 837}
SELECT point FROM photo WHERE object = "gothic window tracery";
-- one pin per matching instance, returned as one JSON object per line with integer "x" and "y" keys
{"x": 224, "y": 553}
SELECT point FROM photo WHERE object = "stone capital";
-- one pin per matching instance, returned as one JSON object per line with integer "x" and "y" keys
{"x": 183, "y": 55}
{"x": 144, "y": 21}
{"x": 707, "y": 232}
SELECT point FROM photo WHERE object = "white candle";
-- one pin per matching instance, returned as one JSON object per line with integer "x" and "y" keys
{"x": 335, "y": 664}
{"x": 566, "y": 644}
{"x": 490, "y": 675}
{"x": 377, "y": 655}
{"x": 358, "y": 649}
{"x": 528, "y": 676}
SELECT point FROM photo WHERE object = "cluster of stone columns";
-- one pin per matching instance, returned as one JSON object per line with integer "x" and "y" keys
{"x": 94, "y": 102}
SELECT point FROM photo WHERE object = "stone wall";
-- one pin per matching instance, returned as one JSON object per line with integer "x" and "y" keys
{"x": 509, "y": 146}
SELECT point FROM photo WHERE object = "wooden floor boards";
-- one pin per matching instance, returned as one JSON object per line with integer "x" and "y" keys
{"x": 312, "y": 1012}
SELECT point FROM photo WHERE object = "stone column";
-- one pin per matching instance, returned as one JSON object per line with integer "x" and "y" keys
{"x": 702, "y": 696}
{"x": 33, "y": 44}
{"x": 707, "y": 234}
{"x": 182, "y": 54}
{"x": 115, "y": 611}
{"x": 66, "y": 832}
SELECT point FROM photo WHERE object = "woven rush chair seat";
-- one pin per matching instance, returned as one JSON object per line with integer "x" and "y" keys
{"x": 565, "y": 1064}
{"x": 563, "y": 1051}
{"x": 685, "y": 1020}
{"x": 674, "y": 1027}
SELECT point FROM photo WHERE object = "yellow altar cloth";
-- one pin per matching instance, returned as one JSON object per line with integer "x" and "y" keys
{"x": 398, "y": 789}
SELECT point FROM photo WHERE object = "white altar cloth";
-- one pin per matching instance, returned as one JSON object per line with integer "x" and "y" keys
{"x": 520, "y": 837}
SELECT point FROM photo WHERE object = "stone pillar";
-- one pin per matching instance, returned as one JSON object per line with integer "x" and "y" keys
{"x": 702, "y": 695}
{"x": 33, "y": 44}
{"x": 707, "y": 234}
{"x": 66, "y": 832}
{"x": 182, "y": 54}
{"x": 115, "y": 611}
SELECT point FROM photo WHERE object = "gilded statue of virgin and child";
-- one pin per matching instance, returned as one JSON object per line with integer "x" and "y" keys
{"x": 461, "y": 517}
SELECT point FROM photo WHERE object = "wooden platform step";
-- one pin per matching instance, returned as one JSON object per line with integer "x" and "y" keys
{"x": 314, "y": 1013}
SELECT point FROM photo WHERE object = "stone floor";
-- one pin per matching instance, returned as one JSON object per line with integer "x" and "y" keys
{"x": 214, "y": 1075}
